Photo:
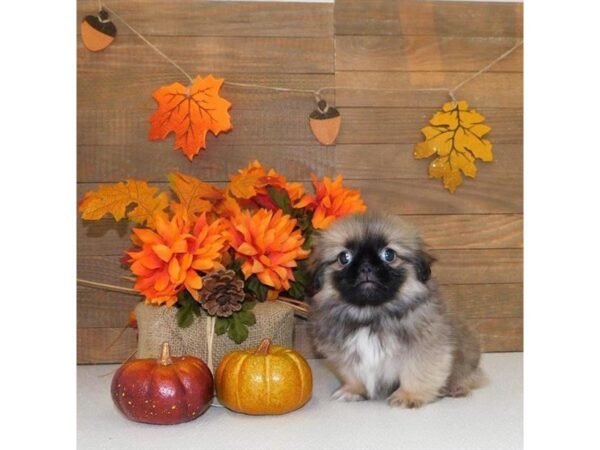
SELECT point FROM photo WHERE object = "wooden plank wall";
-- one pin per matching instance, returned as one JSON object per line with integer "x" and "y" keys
{"x": 476, "y": 234}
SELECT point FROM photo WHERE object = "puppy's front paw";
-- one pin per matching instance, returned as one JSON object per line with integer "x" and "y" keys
{"x": 344, "y": 394}
{"x": 403, "y": 399}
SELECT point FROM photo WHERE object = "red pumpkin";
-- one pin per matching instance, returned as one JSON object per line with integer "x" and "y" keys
{"x": 163, "y": 391}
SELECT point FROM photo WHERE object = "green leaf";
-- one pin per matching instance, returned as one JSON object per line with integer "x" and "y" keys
{"x": 257, "y": 288}
{"x": 196, "y": 309}
{"x": 296, "y": 290}
{"x": 247, "y": 306}
{"x": 185, "y": 316}
{"x": 281, "y": 199}
{"x": 301, "y": 275}
{"x": 236, "y": 266}
{"x": 246, "y": 317}
{"x": 221, "y": 325}
{"x": 238, "y": 332}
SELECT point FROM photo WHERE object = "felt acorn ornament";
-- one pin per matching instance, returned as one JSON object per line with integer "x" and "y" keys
{"x": 325, "y": 123}
{"x": 98, "y": 32}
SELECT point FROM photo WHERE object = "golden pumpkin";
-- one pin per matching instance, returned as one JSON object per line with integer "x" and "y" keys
{"x": 268, "y": 380}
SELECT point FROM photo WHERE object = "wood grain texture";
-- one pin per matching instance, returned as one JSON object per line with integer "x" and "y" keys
{"x": 203, "y": 55}
{"x": 264, "y": 127}
{"x": 476, "y": 234}
{"x": 393, "y": 161}
{"x": 488, "y": 194}
{"x": 133, "y": 88}
{"x": 468, "y": 231}
{"x": 215, "y": 18}
{"x": 481, "y": 93}
{"x": 403, "y": 125}
{"x": 404, "y": 17}
{"x": 105, "y": 345}
{"x": 425, "y": 53}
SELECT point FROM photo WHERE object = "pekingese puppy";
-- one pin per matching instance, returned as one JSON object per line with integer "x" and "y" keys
{"x": 378, "y": 319}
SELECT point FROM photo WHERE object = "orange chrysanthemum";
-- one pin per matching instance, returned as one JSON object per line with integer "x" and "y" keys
{"x": 333, "y": 201}
{"x": 171, "y": 257}
{"x": 268, "y": 245}
{"x": 251, "y": 184}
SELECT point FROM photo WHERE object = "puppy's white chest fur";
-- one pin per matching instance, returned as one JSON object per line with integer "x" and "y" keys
{"x": 373, "y": 360}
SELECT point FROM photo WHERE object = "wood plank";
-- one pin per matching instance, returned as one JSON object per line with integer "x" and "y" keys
{"x": 405, "y": 17}
{"x": 481, "y": 231}
{"x": 452, "y": 267}
{"x": 204, "y": 55}
{"x": 484, "y": 301}
{"x": 216, "y": 18}
{"x": 397, "y": 161}
{"x": 478, "y": 266}
{"x": 403, "y": 125}
{"x": 112, "y": 163}
{"x": 102, "y": 345}
{"x": 425, "y": 53}
{"x": 470, "y": 231}
{"x": 499, "y": 335}
{"x": 250, "y": 127}
{"x": 488, "y": 90}
{"x": 98, "y": 308}
{"x": 487, "y": 194}
{"x": 263, "y": 127}
{"x": 132, "y": 89}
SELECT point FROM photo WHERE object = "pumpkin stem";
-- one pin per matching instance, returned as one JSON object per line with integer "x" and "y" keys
{"x": 263, "y": 348}
{"x": 165, "y": 355}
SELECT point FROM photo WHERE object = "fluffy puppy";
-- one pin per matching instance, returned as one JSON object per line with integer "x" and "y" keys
{"x": 379, "y": 321}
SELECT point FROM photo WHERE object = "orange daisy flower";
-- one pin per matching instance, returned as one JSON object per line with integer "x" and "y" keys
{"x": 268, "y": 245}
{"x": 171, "y": 257}
{"x": 333, "y": 201}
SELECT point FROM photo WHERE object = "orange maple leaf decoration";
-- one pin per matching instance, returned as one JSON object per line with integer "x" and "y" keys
{"x": 190, "y": 112}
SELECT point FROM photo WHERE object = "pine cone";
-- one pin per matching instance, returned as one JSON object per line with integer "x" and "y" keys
{"x": 222, "y": 293}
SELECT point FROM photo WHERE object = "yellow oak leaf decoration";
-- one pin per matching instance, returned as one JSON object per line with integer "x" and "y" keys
{"x": 116, "y": 199}
{"x": 456, "y": 137}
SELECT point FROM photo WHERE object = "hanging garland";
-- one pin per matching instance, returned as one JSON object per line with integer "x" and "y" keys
{"x": 454, "y": 135}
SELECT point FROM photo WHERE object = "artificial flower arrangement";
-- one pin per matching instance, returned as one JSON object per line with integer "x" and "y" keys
{"x": 222, "y": 250}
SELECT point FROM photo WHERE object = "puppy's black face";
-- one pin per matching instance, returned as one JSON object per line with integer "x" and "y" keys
{"x": 368, "y": 275}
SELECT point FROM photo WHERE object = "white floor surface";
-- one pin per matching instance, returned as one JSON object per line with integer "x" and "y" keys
{"x": 491, "y": 418}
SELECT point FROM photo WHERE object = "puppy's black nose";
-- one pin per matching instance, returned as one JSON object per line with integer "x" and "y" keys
{"x": 365, "y": 269}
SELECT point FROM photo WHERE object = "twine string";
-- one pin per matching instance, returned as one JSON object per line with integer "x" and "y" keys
{"x": 484, "y": 69}
{"x": 317, "y": 93}
{"x": 150, "y": 44}
{"x": 210, "y": 334}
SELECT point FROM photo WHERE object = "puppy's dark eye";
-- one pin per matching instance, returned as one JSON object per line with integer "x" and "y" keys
{"x": 345, "y": 257}
{"x": 388, "y": 255}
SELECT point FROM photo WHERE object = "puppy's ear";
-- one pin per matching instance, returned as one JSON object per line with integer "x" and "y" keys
{"x": 423, "y": 262}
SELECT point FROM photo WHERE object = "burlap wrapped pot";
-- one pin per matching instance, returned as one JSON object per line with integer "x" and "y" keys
{"x": 158, "y": 324}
